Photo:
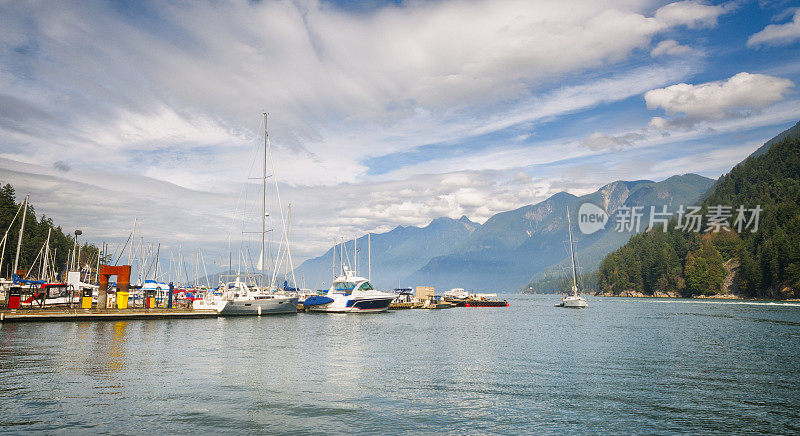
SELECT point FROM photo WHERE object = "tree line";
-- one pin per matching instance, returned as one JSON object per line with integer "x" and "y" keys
{"x": 756, "y": 264}
{"x": 33, "y": 240}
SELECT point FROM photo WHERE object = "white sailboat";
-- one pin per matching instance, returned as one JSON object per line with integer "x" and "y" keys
{"x": 574, "y": 300}
{"x": 240, "y": 297}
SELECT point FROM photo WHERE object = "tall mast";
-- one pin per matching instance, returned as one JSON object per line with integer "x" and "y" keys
{"x": 19, "y": 240}
{"x": 158, "y": 252}
{"x": 572, "y": 255}
{"x": 355, "y": 256}
{"x": 5, "y": 238}
{"x": 369, "y": 257}
{"x": 264, "y": 202}
{"x": 133, "y": 234}
{"x": 46, "y": 255}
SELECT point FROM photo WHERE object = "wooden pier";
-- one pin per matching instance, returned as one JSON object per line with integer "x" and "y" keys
{"x": 39, "y": 315}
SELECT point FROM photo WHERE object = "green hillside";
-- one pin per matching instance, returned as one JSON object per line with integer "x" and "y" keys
{"x": 755, "y": 264}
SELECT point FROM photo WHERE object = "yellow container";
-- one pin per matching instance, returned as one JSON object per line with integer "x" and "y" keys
{"x": 86, "y": 302}
{"x": 122, "y": 299}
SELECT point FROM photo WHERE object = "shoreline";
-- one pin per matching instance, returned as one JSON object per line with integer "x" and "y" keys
{"x": 629, "y": 294}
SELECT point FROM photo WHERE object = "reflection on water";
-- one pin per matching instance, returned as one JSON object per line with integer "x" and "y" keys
{"x": 621, "y": 366}
{"x": 116, "y": 347}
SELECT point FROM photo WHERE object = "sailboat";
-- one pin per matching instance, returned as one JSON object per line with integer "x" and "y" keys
{"x": 241, "y": 297}
{"x": 574, "y": 300}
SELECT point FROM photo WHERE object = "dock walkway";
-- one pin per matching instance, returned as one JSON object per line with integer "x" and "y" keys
{"x": 33, "y": 315}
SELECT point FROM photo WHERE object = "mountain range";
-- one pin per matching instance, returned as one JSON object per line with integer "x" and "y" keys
{"x": 505, "y": 252}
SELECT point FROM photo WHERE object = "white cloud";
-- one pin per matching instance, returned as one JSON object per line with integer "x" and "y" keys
{"x": 738, "y": 96}
{"x": 336, "y": 82}
{"x": 601, "y": 141}
{"x": 777, "y": 34}
{"x": 692, "y": 14}
{"x": 669, "y": 47}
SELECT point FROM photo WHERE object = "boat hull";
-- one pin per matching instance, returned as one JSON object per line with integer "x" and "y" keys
{"x": 574, "y": 303}
{"x": 365, "y": 305}
{"x": 270, "y": 306}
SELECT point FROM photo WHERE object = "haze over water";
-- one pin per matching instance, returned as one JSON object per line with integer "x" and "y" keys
{"x": 625, "y": 366}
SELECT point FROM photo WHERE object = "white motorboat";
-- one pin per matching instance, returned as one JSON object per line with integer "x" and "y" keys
{"x": 574, "y": 300}
{"x": 350, "y": 294}
{"x": 456, "y": 294}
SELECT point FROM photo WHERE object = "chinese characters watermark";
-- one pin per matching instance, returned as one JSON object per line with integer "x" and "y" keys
{"x": 592, "y": 218}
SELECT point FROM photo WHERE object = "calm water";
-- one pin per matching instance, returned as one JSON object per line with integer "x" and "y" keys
{"x": 624, "y": 366}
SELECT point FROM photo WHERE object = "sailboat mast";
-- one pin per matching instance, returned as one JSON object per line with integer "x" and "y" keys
{"x": 130, "y": 251}
{"x": 5, "y": 238}
{"x": 572, "y": 255}
{"x": 19, "y": 240}
{"x": 43, "y": 275}
{"x": 369, "y": 257}
{"x": 264, "y": 201}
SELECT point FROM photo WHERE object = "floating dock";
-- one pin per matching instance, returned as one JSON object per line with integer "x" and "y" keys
{"x": 37, "y": 315}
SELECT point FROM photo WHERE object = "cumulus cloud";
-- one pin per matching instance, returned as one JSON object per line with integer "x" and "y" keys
{"x": 739, "y": 96}
{"x": 669, "y": 47}
{"x": 601, "y": 141}
{"x": 689, "y": 13}
{"x": 777, "y": 34}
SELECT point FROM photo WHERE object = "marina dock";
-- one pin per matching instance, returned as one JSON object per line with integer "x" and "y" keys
{"x": 34, "y": 315}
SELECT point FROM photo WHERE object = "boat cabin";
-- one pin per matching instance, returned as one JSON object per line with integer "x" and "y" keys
{"x": 345, "y": 285}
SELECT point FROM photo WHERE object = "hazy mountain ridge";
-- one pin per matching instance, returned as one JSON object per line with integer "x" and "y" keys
{"x": 511, "y": 247}
{"x": 506, "y": 251}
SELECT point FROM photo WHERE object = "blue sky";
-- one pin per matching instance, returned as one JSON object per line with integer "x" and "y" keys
{"x": 382, "y": 113}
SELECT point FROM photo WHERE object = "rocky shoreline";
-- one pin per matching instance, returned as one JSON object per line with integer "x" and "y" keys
{"x": 660, "y": 294}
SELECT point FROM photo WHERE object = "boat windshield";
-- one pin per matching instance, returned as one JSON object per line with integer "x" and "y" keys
{"x": 366, "y": 286}
{"x": 343, "y": 287}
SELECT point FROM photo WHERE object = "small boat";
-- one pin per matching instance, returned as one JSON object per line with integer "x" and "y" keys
{"x": 350, "y": 294}
{"x": 574, "y": 300}
{"x": 456, "y": 294}
{"x": 240, "y": 299}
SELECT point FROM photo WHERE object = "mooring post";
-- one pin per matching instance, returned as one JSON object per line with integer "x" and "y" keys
{"x": 169, "y": 299}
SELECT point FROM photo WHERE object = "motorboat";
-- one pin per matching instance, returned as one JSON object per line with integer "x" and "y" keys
{"x": 456, "y": 294}
{"x": 350, "y": 294}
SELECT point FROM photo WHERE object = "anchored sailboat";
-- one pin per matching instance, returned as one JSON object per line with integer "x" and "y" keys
{"x": 574, "y": 300}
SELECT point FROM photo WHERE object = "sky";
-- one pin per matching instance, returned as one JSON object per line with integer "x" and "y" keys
{"x": 380, "y": 113}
